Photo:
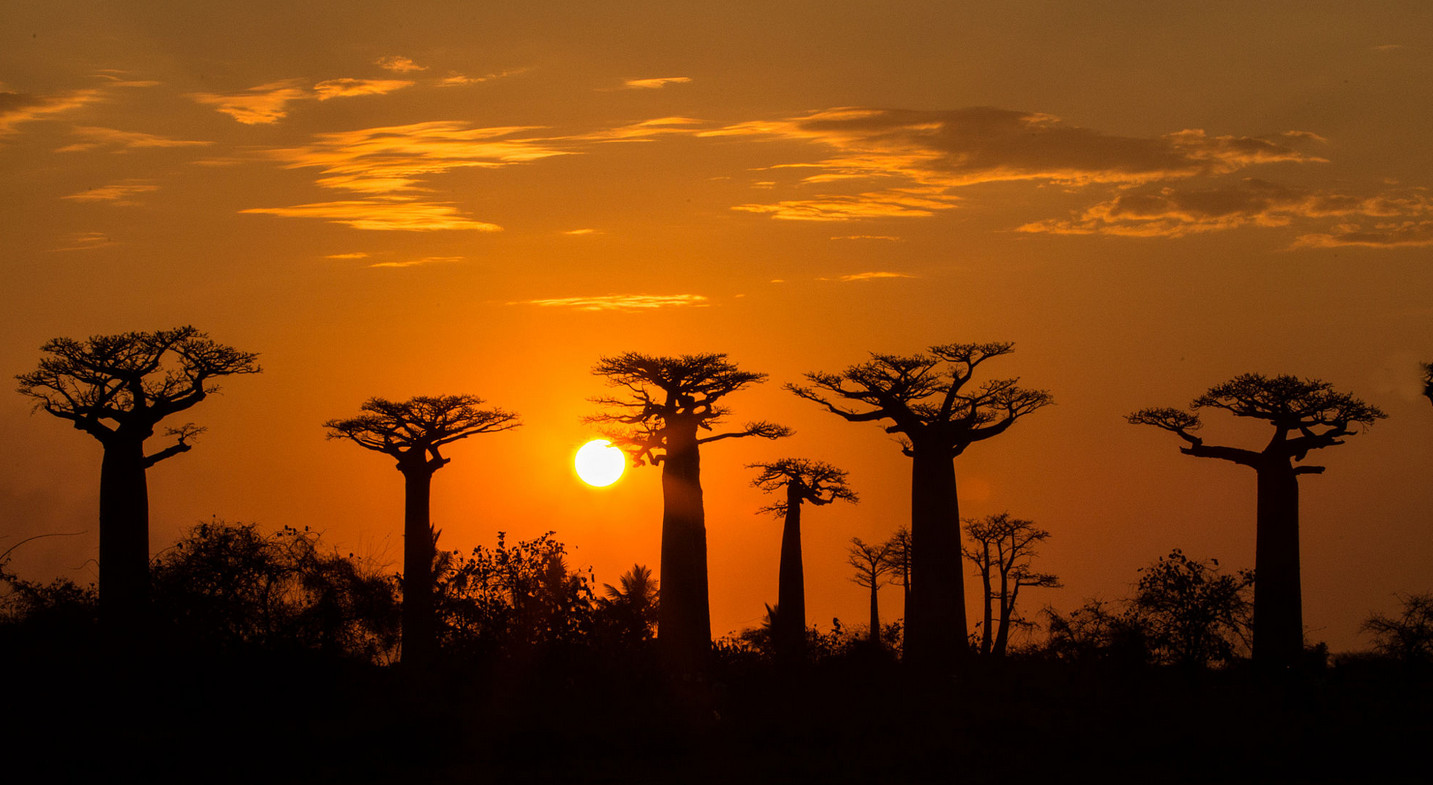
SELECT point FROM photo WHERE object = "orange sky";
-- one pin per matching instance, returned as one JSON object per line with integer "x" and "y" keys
{"x": 466, "y": 199}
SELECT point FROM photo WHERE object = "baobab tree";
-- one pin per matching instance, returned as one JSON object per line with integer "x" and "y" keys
{"x": 1306, "y": 415}
{"x": 798, "y": 481}
{"x": 1002, "y": 548}
{"x": 412, "y": 432}
{"x": 118, "y": 388}
{"x": 928, "y": 401}
{"x": 665, "y": 406}
{"x": 898, "y": 555}
{"x": 1428, "y": 381}
{"x": 872, "y": 565}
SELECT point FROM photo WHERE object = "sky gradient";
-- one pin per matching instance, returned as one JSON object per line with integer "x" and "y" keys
{"x": 393, "y": 200}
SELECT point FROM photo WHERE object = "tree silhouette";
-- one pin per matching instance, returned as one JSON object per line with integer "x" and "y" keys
{"x": 1409, "y": 637}
{"x": 928, "y": 403}
{"x": 118, "y": 388}
{"x": 632, "y": 605}
{"x": 664, "y": 406}
{"x": 1428, "y": 381}
{"x": 1002, "y": 550}
{"x": 1192, "y": 615}
{"x": 412, "y": 432}
{"x": 1306, "y": 415}
{"x": 799, "y": 481}
{"x": 872, "y": 565}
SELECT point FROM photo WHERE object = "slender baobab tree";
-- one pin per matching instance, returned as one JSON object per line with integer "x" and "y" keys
{"x": 412, "y": 432}
{"x": 798, "y": 481}
{"x": 1428, "y": 381}
{"x": 1002, "y": 548}
{"x": 929, "y": 402}
{"x": 117, "y": 388}
{"x": 665, "y": 406}
{"x": 872, "y": 564}
{"x": 1306, "y": 415}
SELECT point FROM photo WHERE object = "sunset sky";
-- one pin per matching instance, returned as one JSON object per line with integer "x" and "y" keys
{"x": 398, "y": 199}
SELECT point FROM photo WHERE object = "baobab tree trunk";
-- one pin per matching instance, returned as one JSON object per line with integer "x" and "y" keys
{"x": 1278, "y": 604}
{"x": 1007, "y": 608}
{"x": 419, "y": 629}
{"x": 875, "y": 634}
{"x": 989, "y": 619}
{"x": 935, "y": 623}
{"x": 124, "y": 540}
{"x": 791, "y": 585}
{"x": 684, "y": 614}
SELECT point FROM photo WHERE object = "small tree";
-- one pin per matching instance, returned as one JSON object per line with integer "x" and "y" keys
{"x": 798, "y": 481}
{"x": 631, "y": 606}
{"x": 1191, "y": 614}
{"x": 929, "y": 403}
{"x": 1428, "y": 381}
{"x": 872, "y": 565}
{"x": 413, "y": 432}
{"x": 1409, "y": 637}
{"x": 1002, "y": 549}
{"x": 1306, "y": 415}
{"x": 118, "y": 388}
{"x": 665, "y": 405}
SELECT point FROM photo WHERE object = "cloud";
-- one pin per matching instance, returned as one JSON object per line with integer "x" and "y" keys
{"x": 85, "y": 241}
{"x": 17, "y": 108}
{"x": 1186, "y": 208}
{"x": 348, "y": 88}
{"x": 655, "y": 83}
{"x": 355, "y": 255}
{"x": 422, "y": 261}
{"x": 117, "y": 193}
{"x": 1407, "y": 234}
{"x": 262, "y": 105}
{"x": 119, "y": 78}
{"x": 398, "y": 64}
{"x": 621, "y": 302}
{"x": 383, "y": 215}
{"x": 580, "y": 231}
{"x": 643, "y": 131}
{"x": 890, "y": 238}
{"x": 94, "y": 138}
{"x": 872, "y": 276}
{"x": 926, "y": 154}
{"x": 455, "y": 79}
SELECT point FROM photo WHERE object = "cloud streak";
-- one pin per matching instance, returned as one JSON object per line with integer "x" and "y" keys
{"x": 655, "y": 83}
{"x": 621, "y": 302}
{"x": 376, "y": 215}
{"x": 95, "y": 138}
{"x": 17, "y": 108}
{"x": 116, "y": 193}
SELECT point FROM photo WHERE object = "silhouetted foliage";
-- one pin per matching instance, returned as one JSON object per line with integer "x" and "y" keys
{"x": 630, "y": 608}
{"x": 1191, "y": 614}
{"x": 1002, "y": 550}
{"x": 412, "y": 432}
{"x": 58, "y": 610}
{"x": 512, "y": 596}
{"x": 1306, "y": 415}
{"x": 928, "y": 402}
{"x": 665, "y": 404}
{"x": 1428, "y": 381}
{"x": 873, "y": 568}
{"x": 797, "y": 481}
{"x": 118, "y": 388}
{"x": 1409, "y": 636}
{"x": 229, "y": 586}
{"x": 1098, "y": 631}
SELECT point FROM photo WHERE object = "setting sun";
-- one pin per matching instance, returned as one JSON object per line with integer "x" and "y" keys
{"x": 599, "y": 464}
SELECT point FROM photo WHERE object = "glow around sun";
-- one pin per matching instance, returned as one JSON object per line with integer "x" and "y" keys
{"x": 599, "y": 464}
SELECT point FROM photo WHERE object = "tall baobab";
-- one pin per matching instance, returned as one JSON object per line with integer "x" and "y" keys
{"x": 117, "y": 388}
{"x": 929, "y": 403}
{"x": 664, "y": 407}
{"x": 1002, "y": 548}
{"x": 1306, "y": 415}
{"x": 412, "y": 432}
{"x": 872, "y": 564}
{"x": 798, "y": 481}
{"x": 1428, "y": 381}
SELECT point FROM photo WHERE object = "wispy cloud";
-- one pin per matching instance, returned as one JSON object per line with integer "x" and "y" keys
{"x": 871, "y": 276}
{"x": 1405, "y": 234}
{"x": 887, "y": 237}
{"x": 116, "y": 193}
{"x": 621, "y": 302}
{"x": 580, "y": 232}
{"x": 355, "y": 255}
{"x": 655, "y": 82}
{"x": 383, "y": 215}
{"x": 1189, "y": 208}
{"x": 348, "y": 88}
{"x": 422, "y": 261}
{"x": 85, "y": 241}
{"x": 94, "y": 138}
{"x": 454, "y": 79}
{"x": 17, "y": 108}
{"x": 261, "y": 105}
{"x": 398, "y": 64}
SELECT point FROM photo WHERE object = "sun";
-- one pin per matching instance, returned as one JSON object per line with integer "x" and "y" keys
{"x": 599, "y": 464}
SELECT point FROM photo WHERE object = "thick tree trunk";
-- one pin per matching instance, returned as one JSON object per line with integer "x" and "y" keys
{"x": 684, "y": 615}
{"x": 790, "y": 633}
{"x": 419, "y": 629}
{"x": 124, "y": 540}
{"x": 935, "y": 623}
{"x": 1278, "y": 604}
